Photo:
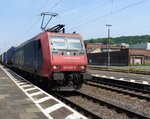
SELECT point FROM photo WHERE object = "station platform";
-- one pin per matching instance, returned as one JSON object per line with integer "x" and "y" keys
{"x": 139, "y": 78}
{"x": 19, "y": 99}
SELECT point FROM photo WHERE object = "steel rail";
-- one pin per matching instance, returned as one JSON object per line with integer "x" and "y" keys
{"x": 86, "y": 112}
{"x": 129, "y": 113}
{"x": 145, "y": 97}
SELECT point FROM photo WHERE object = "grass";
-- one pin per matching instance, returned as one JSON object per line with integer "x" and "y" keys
{"x": 123, "y": 70}
{"x": 145, "y": 64}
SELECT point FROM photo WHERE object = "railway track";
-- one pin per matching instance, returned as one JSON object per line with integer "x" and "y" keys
{"x": 76, "y": 106}
{"x": 104, "y": 108}
{"x": 141, "y": 95}
{"x": 131, "y": 101}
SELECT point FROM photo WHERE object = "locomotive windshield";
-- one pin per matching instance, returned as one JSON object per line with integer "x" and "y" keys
{"x": 74, "y": 44}
{"x": 59, "y": 43}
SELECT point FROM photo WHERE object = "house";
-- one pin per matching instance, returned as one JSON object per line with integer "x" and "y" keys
{"x": 124, "y": 57}
{"x": 99, "y": 47}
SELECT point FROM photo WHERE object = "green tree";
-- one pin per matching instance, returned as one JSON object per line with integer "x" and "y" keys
{"x": 122, "y": 39}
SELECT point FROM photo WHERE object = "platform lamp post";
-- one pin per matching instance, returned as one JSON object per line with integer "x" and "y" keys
{"x": 108, "y": 57}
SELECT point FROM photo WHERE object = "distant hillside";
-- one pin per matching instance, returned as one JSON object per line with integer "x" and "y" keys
{"x": 122, "y": 39}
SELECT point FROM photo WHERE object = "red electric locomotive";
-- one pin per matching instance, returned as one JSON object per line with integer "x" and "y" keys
{"x": 54, "y": 57}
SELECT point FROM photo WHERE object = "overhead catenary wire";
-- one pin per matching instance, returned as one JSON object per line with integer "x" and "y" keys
{"x": 136, "y": 29}
{"x": 88, "y": 12}
{"x": 38, "y": 20}
{"x": 29, "y": 21}
{"x": 57, "y": 3}
{"x": 106, "y": 15}
{"x": 35, "y": 14}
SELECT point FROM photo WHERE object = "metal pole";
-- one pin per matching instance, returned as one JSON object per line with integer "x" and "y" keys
{"x": 108, "y": 46}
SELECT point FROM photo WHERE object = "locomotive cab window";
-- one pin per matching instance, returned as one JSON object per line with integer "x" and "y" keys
{"x": 74, "y": 44}
{"x": 58, "y": 43}
{"x": 65, "y": 43}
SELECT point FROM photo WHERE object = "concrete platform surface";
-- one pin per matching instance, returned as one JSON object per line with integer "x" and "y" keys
{"x": 139, "y": 78}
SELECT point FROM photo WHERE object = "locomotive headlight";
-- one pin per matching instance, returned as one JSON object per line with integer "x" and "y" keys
{"x": 82, "y": 67}
{"x": 56, "y": 67}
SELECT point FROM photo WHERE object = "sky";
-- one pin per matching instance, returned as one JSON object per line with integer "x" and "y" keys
{"x": 21, "y": 19}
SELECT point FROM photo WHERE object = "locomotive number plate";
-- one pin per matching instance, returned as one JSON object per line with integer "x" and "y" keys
{"x": 69, "y": 67}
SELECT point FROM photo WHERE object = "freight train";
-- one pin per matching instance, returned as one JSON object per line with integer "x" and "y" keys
{"x": 53, "y": 57}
